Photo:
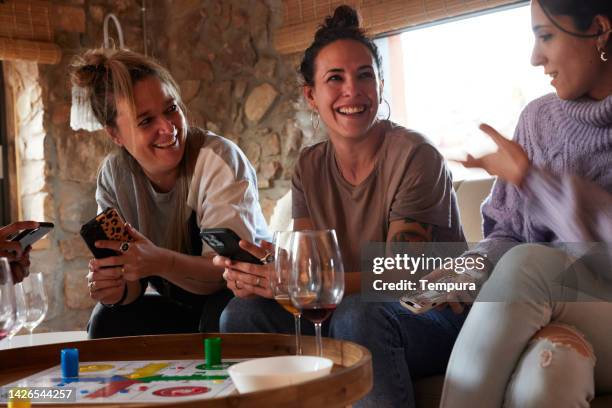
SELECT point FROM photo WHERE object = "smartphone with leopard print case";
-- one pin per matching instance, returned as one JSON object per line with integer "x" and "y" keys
{"x": 108, "y": 225}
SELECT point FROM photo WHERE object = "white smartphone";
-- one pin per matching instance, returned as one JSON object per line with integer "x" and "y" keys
{"x": 423, "y": 301}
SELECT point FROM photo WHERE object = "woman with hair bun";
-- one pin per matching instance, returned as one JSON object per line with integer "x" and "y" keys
{"x": 372, "y": 181}
{"x": 167, "y": 180}
{"x": 539, "y": 332}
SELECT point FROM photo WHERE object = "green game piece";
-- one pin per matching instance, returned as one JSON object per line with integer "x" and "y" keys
{"x": 212, "y": 351}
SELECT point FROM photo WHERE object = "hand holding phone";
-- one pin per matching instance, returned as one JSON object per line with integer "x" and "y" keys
{"x": 15, "y": 241}
{"x": 422, "y": 301}
{"x": 106, "y": 226}
{"x": 225, "y": 242}
{"x": 29, "y": 236}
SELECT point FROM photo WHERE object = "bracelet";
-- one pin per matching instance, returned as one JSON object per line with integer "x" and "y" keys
{"x": 120, "y": 301}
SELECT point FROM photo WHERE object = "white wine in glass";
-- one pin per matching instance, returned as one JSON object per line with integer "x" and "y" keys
{"x": 285, "y": 302}
{"x": 280, "y": 282}
{"x": 35, "y": 300}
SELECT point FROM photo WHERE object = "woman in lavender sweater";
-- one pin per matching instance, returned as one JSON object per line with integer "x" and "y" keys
{"x": 544, "y": 316}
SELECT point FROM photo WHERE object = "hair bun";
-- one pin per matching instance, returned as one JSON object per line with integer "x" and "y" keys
{"x": 86, "y": 67}
{"x": 344, "y": 17}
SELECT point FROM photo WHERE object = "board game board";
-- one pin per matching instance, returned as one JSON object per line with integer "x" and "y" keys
{"x": 138, "y": 381}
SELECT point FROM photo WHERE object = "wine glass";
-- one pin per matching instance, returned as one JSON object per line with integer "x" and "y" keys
{"x": 280, "y": 281}
{"x": 35, "y": 301}
{"x": 316, "y": 285}
{"x": 7, "y": 299}
{"x": 20, "y": 311}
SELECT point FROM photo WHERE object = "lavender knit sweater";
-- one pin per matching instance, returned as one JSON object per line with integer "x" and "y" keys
{"x": 567, "y": 195}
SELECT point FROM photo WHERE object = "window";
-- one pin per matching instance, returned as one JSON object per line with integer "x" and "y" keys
{"x": 443, "y": 80}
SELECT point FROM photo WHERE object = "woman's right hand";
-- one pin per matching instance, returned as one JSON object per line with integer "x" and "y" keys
{"x": 510, "y": 162}
{"x": 106, "y": 285}
{"x": 457, "y": 300}
{"x": 136, "y": 259}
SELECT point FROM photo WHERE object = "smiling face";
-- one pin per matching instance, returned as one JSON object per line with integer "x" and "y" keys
{"x": 156, "y": 137}
{"x": 573, "y": 62}
{"x": 346, "y": 90}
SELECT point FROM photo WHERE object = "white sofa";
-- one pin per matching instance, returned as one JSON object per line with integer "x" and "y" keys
{"x": 470, "y": 195}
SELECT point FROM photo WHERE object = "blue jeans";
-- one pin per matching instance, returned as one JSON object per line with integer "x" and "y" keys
{"x": 260, "y": 315}
{"x": 405, "y": 347}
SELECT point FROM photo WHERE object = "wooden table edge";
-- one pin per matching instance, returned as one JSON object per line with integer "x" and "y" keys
{"x": 345, "y": 385}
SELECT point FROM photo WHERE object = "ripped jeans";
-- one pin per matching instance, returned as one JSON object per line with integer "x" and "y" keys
{"x": 529, "y": 341}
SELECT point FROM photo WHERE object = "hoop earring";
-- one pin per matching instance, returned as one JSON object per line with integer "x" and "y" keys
{"x": 315, "y": 125}
{"x": 388, "y": 108}
{"x": 603, "y": 56}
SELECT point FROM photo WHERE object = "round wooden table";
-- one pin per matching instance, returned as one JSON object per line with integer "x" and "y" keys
{"x": 350, "y": 379}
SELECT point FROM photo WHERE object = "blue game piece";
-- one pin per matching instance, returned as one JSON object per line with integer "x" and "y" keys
{"x": 70, "y": 362}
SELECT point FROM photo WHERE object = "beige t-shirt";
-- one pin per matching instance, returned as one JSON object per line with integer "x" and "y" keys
{"x": 409, "y": 180}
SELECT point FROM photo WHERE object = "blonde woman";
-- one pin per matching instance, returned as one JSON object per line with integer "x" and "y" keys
{"x": 168, "y": 181}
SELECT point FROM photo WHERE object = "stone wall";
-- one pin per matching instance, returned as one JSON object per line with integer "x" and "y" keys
{"x": 233, "y": 82}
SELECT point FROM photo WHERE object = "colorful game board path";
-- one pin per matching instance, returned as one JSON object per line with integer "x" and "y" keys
{"x": 149, "y": 381}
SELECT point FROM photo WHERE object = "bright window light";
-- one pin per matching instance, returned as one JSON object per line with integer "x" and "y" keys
{"x": 459, "y": 74}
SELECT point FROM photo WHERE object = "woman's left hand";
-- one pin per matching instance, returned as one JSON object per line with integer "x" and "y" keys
{"x": 509, "y": 162}
{"x": 246, "y": 279}
{"x": 138, "y": 259}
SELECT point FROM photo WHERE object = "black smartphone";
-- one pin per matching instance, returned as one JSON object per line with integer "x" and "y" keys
{"x": 224, "y": 241}
{"x": 28, "y": 237}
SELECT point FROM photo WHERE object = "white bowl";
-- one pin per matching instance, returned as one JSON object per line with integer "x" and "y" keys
{"x": 272, "y": 372}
